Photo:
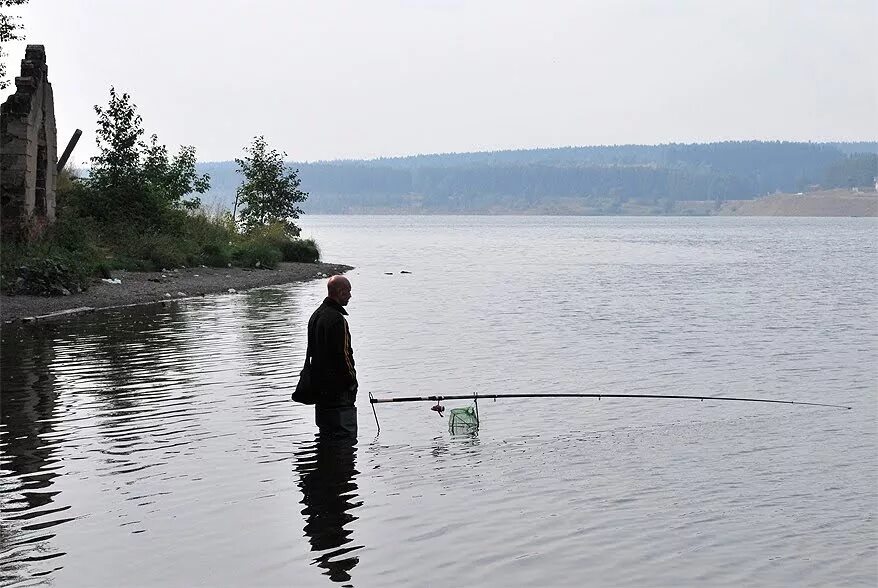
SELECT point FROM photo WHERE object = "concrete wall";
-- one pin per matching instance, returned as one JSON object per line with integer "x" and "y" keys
{"x": 28, "y": 152}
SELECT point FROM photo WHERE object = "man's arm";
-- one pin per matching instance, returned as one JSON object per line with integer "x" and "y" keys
{"x": 341, "y": 360}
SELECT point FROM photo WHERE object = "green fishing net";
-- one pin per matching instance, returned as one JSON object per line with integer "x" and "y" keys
{"x": 463, "y": 420}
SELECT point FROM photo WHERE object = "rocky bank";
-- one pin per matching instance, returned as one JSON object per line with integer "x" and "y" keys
{"x": 130, "y": 288}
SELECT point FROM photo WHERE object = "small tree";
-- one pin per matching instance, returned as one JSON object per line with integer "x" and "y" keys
{"x": 170, "y": 180}
{"x": 119, "y": 142}
{"x": 270, "y": 191}
{"x": 132, "y": 181}
{"x": 9, "y": 27}
{"x": 115, "y": 170}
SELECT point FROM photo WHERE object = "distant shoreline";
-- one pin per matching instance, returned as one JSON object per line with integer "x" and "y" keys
{"x": 824, "y": 203}
{"x": 137, "y": 288}
{"x": 828, "y": 203}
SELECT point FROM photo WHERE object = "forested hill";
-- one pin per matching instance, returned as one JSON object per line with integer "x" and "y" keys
{"x": 597, "y": 179}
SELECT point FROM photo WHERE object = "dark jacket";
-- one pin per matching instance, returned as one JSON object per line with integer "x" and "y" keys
{"x": 332, "y": 358}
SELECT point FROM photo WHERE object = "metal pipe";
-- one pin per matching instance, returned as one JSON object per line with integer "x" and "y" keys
{"x": 62, "y": 161}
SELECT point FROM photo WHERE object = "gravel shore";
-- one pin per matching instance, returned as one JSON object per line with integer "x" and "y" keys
{"x": 153, "y": 287}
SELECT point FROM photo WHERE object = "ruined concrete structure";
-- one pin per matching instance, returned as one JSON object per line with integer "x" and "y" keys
{"x": 28, "y": 152}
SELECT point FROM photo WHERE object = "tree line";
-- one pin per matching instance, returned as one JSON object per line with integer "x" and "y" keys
{"x": 647, "y": 174}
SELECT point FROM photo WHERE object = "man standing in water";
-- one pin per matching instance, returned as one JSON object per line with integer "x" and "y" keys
{"x": 332, "y": 363}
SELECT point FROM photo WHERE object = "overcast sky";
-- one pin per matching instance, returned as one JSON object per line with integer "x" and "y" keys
{"x": 362, "y": 79}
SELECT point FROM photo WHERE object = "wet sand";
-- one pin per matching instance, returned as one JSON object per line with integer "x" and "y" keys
{"x": 156, "y": 287}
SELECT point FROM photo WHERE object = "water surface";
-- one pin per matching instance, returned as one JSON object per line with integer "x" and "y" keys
{"x": 157, "y": 446}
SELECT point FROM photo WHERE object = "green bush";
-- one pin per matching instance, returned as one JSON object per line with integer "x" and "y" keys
{"x": 167, "y": 251}
{"x": 209, "y": 230}
{"x": 214, "y": 255}
{"x": 302, "y": 250}
{"x": 256, "y": 253}
{"x": 62, "y": 261}
{"x": 147, "y": 251}
{"x": 46, "y": 273}
{"x": 291, "y": 248}
{"x": 189, "y": 239}
{"x": 126, "y": 262}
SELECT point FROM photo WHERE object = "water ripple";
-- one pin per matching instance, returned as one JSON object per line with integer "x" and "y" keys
{"x": 158, "y": 445}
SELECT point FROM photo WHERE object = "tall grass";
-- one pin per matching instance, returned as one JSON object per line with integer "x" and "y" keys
{"x": 76, "y": 249}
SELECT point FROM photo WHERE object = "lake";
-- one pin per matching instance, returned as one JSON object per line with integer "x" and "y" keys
{"x": 157, "y": 446}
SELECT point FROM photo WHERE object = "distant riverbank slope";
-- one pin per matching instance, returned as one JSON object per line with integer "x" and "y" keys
{"x": 820, "y": 203}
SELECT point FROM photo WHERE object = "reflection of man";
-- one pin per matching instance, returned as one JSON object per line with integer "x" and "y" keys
{"x": 328, "y": 486}
{"x": 332, "y": 362}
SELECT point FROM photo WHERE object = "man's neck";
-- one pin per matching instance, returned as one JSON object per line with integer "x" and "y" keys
{"x": 337, "y": 304}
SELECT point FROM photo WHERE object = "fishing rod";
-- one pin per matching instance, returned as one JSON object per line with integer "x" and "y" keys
{"x": 475, "y": 397}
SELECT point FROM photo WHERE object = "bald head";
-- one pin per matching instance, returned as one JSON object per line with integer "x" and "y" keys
{"x": 338, "y": 288}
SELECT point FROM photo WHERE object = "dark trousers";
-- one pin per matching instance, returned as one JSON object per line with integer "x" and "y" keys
{"x": 338, "y": 422}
